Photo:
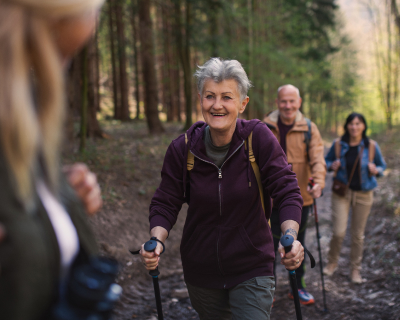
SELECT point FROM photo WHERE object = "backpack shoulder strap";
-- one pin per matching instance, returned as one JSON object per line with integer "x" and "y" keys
{"x": 337, "y": 148}
{"x": 270, "y": 126}
{"x": 190, "y": 156}
{"x": 256, "y": 169}
{"x": 307, "y": 137}
{"x": 371, "y": 150}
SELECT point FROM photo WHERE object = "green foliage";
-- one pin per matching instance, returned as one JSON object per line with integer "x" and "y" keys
{"x": 278, "y": 42}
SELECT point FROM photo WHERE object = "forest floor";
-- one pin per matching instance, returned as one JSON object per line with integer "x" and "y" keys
{"x": 128, "y": 168}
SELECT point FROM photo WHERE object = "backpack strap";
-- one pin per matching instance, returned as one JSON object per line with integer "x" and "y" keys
{"x": 190, "y": 156}
{"x": 256, "y": 170}
{"x": 270, "y": 126}
{"x": 371, "y": 150}
{"x": 307, "y": 137}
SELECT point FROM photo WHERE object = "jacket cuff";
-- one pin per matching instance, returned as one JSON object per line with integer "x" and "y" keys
{"x": 160, "y": 221}
{"x": 290, "y": 213}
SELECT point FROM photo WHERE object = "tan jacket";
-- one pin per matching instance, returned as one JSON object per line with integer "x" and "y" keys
{"x": 297, "y": 154}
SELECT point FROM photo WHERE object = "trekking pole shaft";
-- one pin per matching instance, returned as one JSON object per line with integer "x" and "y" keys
{"x": 158, "y": 298}
{"x": 311, "y": 184}
{"x": 287, "y": 241}
{"x": 320, "y": 254}
{"x": 293, "y": 282}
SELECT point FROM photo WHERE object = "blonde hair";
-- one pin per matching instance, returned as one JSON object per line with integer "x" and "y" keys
{"x": 29, "y": 129}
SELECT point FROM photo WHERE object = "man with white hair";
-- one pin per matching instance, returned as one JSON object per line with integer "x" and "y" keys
{"x": 302, "y": 144}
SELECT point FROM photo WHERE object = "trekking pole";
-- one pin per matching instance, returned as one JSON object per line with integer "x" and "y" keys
{"x": 150, "y": 246}
{"x": 287, "y": 241}
{"x": 311, "y": 184}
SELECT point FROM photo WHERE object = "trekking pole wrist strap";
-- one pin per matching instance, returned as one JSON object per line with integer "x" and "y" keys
{"x": 158, "y": 240}
{"x": 151, "y": 239}
{"x": 312, "y": 260}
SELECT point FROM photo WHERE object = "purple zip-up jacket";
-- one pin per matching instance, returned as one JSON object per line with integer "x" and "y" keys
{"x": 226, "y": 238}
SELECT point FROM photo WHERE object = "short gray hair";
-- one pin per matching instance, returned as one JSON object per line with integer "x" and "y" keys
{"x": 219, "y": 70}
{"x": 291, "y": 87}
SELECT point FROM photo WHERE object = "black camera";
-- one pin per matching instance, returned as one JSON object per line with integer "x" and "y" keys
{"x": 91, "y": 292}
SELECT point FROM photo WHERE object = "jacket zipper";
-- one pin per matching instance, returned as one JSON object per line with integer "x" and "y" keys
{"x": 219, "y": 169}
{"x": 219, "y": 173}
{"x": 219, "y": 194}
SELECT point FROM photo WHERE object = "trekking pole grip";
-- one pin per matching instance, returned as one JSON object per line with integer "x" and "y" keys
{"x": 311, "y": 182}
{"x": 287, "y": 242}
{"x": 150, "y": 246}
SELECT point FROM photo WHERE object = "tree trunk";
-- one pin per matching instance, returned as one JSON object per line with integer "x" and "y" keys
{"x": 83, "y": 131}
{"x": 97, "y": 70}
{"x": 166, "y": 69}
{"x": 136, "y": 57}
{"x": 396, "y": 14}
{"x": 389, "y": 74}
{"x": 93, "y": 126}
{"x": 111, "y": 20}
{"x": 149, "y": 72}
{"x": 251, "y": 108}
{"x": 124, "y": 111}
{"x": 213, "y": 14}
{"x": 184, "y": 54}
{"x": 74, "y": 95}
{"x": 175, "y": 72}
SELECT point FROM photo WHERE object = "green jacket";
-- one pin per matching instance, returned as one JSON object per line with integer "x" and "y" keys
{"x": 29, "y": 256}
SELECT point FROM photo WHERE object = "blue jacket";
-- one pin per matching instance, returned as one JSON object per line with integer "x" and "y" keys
{"x": 367, "y": 182}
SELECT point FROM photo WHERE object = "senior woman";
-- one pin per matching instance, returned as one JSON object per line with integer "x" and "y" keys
{"x": 357, "y": 161}
{"x": 227, "y": 249}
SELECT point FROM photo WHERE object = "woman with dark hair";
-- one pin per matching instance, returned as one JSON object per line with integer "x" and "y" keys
{"x": 357, "y": 161}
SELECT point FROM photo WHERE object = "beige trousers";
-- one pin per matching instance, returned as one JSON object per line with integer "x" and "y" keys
{"x": 361, "y": 203}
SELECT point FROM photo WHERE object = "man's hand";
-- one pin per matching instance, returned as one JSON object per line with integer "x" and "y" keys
{"x": 293, "y": 259}
{"x": 315, "y": 191}
{"x": 84, "y": 182}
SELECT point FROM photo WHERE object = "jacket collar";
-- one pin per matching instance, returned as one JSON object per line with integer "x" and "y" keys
{"x": 196, "y": 133}
{"x": 345, "y": 146}
{"x": 300, "y": 123}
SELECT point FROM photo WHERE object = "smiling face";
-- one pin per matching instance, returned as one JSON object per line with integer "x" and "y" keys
{"x": 221, "y": 105}
{"x": 289, "y": 103}
{"x": 356, "y": 128}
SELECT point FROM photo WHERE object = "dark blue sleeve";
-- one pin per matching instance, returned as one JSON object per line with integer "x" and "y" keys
{"x": 330, "y": 157}
{"x": 379, "y": 161}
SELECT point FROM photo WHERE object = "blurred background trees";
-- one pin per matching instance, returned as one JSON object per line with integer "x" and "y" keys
{"x": 140, "y": 64}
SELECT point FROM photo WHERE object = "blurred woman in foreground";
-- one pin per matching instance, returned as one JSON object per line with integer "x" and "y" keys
{"x": 357, "y": 161}
{"x": 42, "y": 221}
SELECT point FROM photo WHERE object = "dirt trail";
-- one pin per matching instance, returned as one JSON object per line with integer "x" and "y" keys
{"x": 128, "y": 168}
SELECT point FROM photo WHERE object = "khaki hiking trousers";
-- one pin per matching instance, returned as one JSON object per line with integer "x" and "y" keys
{"x": 360, "y": 203}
